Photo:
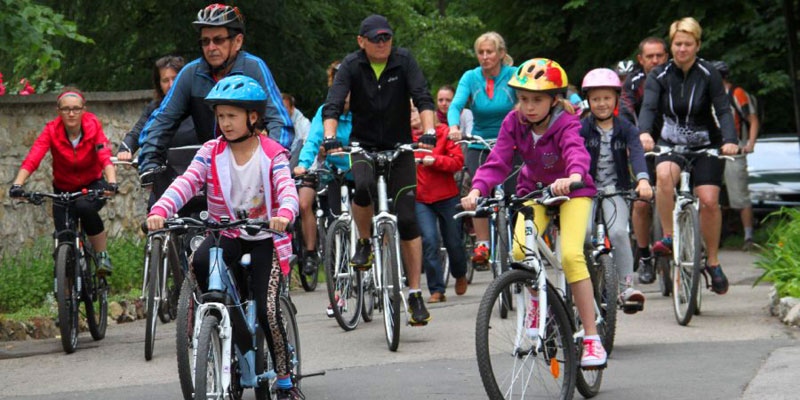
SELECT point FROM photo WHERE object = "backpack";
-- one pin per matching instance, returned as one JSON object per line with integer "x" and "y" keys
{"x": 754, "y": 108}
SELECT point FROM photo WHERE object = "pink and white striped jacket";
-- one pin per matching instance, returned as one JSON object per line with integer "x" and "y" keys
{"x": 211, "y": 167}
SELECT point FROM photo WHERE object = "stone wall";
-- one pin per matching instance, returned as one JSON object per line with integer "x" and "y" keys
{"x": 21, "y": 120}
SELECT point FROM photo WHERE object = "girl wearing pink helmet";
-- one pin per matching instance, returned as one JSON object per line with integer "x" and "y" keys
{"x": 613, "y": 143}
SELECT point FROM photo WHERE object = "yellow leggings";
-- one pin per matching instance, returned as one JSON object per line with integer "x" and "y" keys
{"x": 574, "y": 215}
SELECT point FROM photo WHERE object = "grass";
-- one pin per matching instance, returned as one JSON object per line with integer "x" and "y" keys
{"x": 779, "y": 256}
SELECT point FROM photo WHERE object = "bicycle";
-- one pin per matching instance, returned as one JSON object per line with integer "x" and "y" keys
{"x": 686, "y": 265}
{"x": 311, "y": 179}
{"x": 352, "y": 293}
{"x": 388, "y": 269}
{"x": 76, "y": 272}
{"x": 220, "y": 369}
{"x": 511, "y": 359}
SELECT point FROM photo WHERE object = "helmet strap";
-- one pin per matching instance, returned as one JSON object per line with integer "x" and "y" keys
{"x": 251, "y": 129}
{"x": 544, "y": 119}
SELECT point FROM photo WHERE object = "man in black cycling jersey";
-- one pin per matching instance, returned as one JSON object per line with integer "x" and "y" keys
{"x": 221, "y": 30}
{"x": 652, "y": 53}
{"x": 380, "y": 79}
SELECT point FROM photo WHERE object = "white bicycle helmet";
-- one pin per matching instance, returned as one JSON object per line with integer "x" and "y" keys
{"x": 219, "y": 15}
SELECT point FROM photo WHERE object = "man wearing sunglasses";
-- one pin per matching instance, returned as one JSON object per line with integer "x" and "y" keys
{"x": 222, "y": 31}
{"x": 380, "y": 79}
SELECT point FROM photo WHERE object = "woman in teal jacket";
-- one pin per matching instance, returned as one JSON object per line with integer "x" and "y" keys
{"x": 491, "y": 99}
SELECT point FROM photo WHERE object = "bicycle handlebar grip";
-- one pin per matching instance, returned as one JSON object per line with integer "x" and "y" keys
{"x": 577, "y": 185}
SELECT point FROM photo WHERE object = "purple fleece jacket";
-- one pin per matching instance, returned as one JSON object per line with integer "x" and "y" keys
{"x": 557, "y": 154}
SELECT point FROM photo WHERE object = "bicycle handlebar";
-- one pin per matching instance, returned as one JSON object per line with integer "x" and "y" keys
{"x": 37, "y": 198}
{"x": 391, "y": 154}
{"x": 116, "y": 161}
{"x": 252, "y": 226}
{"x": 685, "y": 151}
{"x": 544, "y": 196}
{"x": 477, "y": 139}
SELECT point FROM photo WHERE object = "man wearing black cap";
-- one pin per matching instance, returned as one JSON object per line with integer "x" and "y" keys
{"x": 380, "y": 79}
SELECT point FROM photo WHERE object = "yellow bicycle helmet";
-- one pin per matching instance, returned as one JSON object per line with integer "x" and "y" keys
{"x": 540, "y": 75}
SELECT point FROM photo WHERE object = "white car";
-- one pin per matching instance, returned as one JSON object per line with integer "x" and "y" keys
{"x": 774, "y": 173}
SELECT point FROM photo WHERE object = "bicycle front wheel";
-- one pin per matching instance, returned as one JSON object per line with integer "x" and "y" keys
{"x": 390, "y": 285}
{"x": 292, "y": 337}
{"x": 152, "y": 286}
{"x": 95, "y": 300}
{"x": 514, "y": 364}
{"x": 171, "y": 277}
{"x": 343, "y": 281}
{"x": 606, "y": 291}
{"x": 501, "y": 261}
{"x": 67, "y": 296}
{"x": 444, "y": 261}
{"x": 184, "y": 329}
{"x": 686, "y": 273}
{"x": 208, "y": 372}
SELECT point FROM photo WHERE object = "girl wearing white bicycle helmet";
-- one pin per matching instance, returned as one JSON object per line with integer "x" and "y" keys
{"x": 612, "y": 142}
{"x": 246, "y": 175}
{"x": 544, "y": 131}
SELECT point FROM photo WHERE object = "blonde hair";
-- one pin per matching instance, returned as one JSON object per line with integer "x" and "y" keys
{"x": 331, "y": 71}
{"x": 687, "y": 25}
{"x": 563, "y": 102}
{"x": 499, "y": 45}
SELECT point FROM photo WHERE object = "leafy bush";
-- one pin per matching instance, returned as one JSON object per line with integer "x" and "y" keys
{"x": 779, "y": 259}
{"x": 27, "y": 277}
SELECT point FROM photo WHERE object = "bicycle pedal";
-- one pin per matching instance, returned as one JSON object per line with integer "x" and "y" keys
{"x": 361, "y": 268}
{"x": 594, "y": 367}
{"x": 632, "y": 308}
{"x": 417, "y": 324}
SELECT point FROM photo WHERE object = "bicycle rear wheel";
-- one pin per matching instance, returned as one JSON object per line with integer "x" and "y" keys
{"x": 155, "y": 259}
{"x": 343, "y": 281}
{"x": 511, "y": 363}
{"x": 184, "y": 329}
{"x": 208, "y": 371}
{"x": 67, "y": 296}
{"x": 172, "y": 278}
{"x": 95, "y": 300}
{"x": 444, "y": 260}
{"x": 469, "y": 246}
{"x": 662, "y": 266}
{"x": 292, "y": 337}
{"x": 370, "y": 295}
{"x": 390, "y": 285}
{"x": 686, "y": 273}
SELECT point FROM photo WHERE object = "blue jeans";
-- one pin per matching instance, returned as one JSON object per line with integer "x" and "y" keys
{"x": 431, "y": 218}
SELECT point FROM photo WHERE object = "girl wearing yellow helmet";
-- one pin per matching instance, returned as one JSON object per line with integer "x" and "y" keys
{"x": 545, "y": 132}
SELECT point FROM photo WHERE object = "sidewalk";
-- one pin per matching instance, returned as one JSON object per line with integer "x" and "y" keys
{"x": 777, "y": 378}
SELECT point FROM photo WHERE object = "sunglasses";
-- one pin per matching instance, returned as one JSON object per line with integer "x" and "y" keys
{"x": 218, "y": 40}
{"x": 383, "y": 37}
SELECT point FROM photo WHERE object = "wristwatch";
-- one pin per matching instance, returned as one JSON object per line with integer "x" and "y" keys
{"x": 431, "y": 131}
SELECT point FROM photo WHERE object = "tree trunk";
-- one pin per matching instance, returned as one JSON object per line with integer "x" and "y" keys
{"x": 791, "y": 33}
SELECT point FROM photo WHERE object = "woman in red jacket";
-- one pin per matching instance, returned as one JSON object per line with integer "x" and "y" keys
{"x": 81, "y": 155}
{"x": 437, "y": 196}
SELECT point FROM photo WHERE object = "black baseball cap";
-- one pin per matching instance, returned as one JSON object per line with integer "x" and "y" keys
{"x": 375, "y": 25}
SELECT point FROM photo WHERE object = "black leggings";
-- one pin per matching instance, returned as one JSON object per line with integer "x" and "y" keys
{"x": 264, "y": 284}
{"x": 85, "y": 210}
{"x": 401, "y": 185}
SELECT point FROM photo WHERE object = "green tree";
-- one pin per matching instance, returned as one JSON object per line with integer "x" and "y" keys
{"x": 28, "y": 32}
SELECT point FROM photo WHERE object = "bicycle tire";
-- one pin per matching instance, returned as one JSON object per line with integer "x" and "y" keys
{"x": 262, "y": 364}
{"x": 501, "y": 259}
{"x": 292, "y": 337}
{"x": 469, "y": 246}
{"x": 172, "y": 278}
{"x": 369, "y": 295}
{"x": 184, "y": 329}
{"x": 606, "y": 286}
{"x": 390, "y": 287}
{"x": 662, "y": 266}
{"x": 208, "y": 371}
{"x": 95, "y": 300}
{"x": 444, "y": 260}
{"x": 152, "y": 286}
{"x": 67, "y": 296}
{"x": 503, "y": 357}
{"x": 341, "y": 278}
{"x": 686, "y": 274}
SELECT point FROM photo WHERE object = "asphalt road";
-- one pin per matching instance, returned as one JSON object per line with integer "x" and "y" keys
{"x": 723, "y": 354}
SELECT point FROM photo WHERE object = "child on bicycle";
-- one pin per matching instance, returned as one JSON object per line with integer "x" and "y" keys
{"x": 246, "y": 173}
{"x": 612, "y": 142}
{"x": 81, "y": 155}
{"x": 544, "y": 130}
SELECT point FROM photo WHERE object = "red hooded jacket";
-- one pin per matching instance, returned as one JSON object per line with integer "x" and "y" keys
{"x": 436, "y": 182}
{"x": 73, "y": 168}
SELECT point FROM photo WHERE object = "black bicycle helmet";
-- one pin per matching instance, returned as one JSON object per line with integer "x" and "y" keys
{"x": 219, "y": 15}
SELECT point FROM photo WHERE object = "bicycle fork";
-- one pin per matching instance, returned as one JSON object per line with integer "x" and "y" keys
{"x": 683, "y": 198}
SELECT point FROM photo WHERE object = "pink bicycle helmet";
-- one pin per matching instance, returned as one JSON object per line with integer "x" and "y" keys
{"x": 601, "y": 78}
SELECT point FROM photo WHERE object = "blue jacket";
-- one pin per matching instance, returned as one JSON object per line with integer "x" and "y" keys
{"x": 624, "y": 139}
{"x": 488, "y": 114}
{"x": 314, "y": 140}
{"x": 187, "y": 98}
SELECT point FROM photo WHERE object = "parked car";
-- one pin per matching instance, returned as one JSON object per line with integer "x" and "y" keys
{"x": 774, "y": 173}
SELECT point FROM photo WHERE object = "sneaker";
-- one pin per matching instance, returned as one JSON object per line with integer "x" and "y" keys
{"x": 437, "y": 297}
{"x": 480, "y": 255}
{"x": 339, "y": 303}
{"x": 663, "y": 246}
{"x": 748, "y": 245}
{"x": 631, "y": 301}
{"x": 289, "y": 394}
{"x": 362, "y": 260}
{"x": 532, "y": 319}
{"x": 719, "y": 282}
{"x": 104, "y": 267}
{"x": 311, "y": 264}
{"x": 419, "y": 314}
{"x": 646, "y": 273}
{"x": 594, "y": 355}
{"x": 461, "y": 285}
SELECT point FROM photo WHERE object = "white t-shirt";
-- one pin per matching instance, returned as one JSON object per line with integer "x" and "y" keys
{"x": 247, "y": 190}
